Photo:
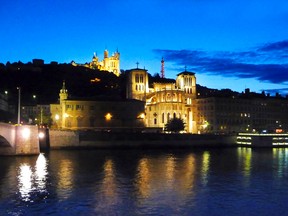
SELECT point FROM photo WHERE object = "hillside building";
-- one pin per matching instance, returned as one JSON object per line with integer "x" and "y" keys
{"x": 110, "y": 64}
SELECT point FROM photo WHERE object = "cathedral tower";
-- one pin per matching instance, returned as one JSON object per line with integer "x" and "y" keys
{"x": 137, "y": 84}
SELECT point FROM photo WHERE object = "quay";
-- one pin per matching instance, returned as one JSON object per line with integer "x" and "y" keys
{"x": 26, "y": 140}
{"x": 60, "y": 139}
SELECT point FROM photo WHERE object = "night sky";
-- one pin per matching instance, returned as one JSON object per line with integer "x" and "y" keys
{"x": 227, "y": 43}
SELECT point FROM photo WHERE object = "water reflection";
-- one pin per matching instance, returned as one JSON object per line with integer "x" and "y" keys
{"x": 245, "y": 160}
{"x": 143, "y": 178}
{"x": 32, "y": 179}
{"x": 65, "y": 177}
{"x": 137, "y": 183}
{"x": 41, "y": 172}
{"x": 168, "y": 179}
{"x": 109, "y": 187}
{"x": 186, "y": 172}
{"x": 107, "y": 196}
{"x": 244, "y": 164}
{"x": 25, "y": 181}
{"x": 205, "y": 166}
{"x": 170, "y": 171}
{"x": 281, "y": 162}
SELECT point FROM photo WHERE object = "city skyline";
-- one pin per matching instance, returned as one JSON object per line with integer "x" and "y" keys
{"x": 228, "y": 44}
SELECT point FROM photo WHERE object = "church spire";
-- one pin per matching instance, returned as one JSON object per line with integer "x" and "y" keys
{"x": 63, "y": 92}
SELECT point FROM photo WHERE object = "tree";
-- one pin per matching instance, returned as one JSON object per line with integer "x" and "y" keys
{"x": 175, "y": 125}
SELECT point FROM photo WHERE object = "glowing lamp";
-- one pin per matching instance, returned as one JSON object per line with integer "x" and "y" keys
{"x": 41, "y": 135}
{"x": 108, "y": 116}
{"x": 25, "y": 133}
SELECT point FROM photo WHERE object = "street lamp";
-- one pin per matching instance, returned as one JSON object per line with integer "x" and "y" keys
{"x": 19, "y": 105}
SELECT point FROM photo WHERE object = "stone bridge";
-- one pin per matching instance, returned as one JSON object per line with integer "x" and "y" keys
{"x": 19, "y": 139}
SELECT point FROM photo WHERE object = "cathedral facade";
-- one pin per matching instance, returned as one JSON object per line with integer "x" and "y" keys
{"x": 166, "y": 99}
{"x": 110, "y": 64}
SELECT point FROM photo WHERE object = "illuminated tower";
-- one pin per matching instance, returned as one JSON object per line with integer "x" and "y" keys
{"x": 63, "y": 95}
{"x": 137, "y": 84}
{"x": 162, "y": 68}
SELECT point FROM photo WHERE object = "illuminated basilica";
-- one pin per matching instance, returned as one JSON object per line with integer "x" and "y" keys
{"x": 110, "y": 64}
{"x": 166, "y": 99}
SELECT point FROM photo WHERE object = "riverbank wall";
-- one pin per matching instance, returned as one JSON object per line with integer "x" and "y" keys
{"x": 61, "y": 139}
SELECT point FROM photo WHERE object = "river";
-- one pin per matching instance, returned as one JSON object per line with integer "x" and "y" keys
{"x": 228, "y": 181}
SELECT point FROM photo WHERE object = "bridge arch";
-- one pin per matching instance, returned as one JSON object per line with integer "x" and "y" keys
{"x": 19, "y": 139}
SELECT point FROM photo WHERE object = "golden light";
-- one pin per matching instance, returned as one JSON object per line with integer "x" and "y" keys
{"x": 57, "y": 117}
{"x": 108, "y": 116}
{"x": 26, "y": 133}
{"x": 141, "y": 116}
{"x": 41, "y": 135}
{"x": 66, "y": 115}
{"x": 205, "y": 125}
{"x": 95, "y": 80}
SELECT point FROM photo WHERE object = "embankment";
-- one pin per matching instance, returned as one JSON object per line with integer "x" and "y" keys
{"x": 60, "y": 139}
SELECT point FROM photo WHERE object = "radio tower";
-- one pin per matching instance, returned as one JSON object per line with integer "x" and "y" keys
{"x": 162, "y": 68}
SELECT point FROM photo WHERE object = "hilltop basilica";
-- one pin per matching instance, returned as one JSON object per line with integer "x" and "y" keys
{"x": 110, "y": 64}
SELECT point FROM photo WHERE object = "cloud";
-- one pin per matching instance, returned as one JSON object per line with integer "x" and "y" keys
{"x": 268, "y": 62}
{"x": 277, "y": 46}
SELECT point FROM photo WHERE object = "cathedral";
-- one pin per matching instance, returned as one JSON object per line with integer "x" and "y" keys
{"x": 110, "y": 64}
{"x": 166, "y": 99}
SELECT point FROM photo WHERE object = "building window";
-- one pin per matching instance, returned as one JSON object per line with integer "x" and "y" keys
{"x": 137, "y": 78}
{"x": 174, "y": 97}
{"x": 92, "y": 121}
{"x": 155, "y": 121}
{"x": 163, "y": 118}
{"x": 79, "y": 107}
{"x": 168, "y": 117}
{"x": 168, "y": 97}
{"x": 141, "y": 78}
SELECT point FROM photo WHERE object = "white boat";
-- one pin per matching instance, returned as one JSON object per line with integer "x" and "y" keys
{"x": 262, "y": 139}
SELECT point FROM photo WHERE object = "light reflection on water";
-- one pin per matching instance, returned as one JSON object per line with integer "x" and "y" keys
{"x": 32, "y": 178}
{"x": 25, "y": 181}
{"x": 131, "y": 182}
{"x": 65, "y": 178}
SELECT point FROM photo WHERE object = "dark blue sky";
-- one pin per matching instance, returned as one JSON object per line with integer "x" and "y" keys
{"x": 227, "y": 43}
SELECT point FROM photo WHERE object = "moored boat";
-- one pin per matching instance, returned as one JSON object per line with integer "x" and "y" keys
{"x": 262, "y": 139}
